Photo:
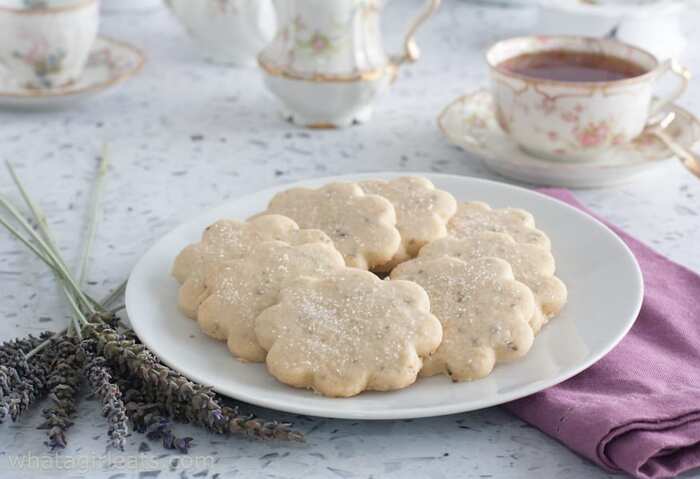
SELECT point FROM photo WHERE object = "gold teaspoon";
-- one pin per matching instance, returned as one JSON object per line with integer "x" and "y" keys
{"x": 689, "y": 159}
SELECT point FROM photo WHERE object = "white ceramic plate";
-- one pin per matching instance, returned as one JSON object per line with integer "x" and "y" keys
{"x": 469, "y": 123}
{"x": 110, "y": 63}
{"x": 605, "y": 294}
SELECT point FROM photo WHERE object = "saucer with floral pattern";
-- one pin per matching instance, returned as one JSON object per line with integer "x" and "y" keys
{"x": 470, "y": 123}
{"x": 110, "y": 63}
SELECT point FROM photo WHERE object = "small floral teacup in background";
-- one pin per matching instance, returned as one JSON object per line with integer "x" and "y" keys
{"x": 45, "y": 44}
{"x": 576, "y": 120}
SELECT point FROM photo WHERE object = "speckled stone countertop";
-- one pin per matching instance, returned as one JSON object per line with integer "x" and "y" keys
{"x": 187, "y": 135}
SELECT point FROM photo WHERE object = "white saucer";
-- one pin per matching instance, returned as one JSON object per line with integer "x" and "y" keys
{"x": 581, "y": 335}
{"x": 469, "y": 122}
{"x": 110, "y": 63}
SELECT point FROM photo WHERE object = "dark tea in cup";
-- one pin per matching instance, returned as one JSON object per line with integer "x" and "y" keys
{"x": 572, "y": 66}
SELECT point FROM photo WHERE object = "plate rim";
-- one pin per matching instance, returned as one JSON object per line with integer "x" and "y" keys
{"x": 404, "y": 413}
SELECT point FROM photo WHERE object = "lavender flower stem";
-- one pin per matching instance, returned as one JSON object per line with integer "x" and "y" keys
{"x": 45, "y": 253}
{"x": 47, "y": 242}
{"x": 92, "y": 216}
{"x": 112, "y": 297}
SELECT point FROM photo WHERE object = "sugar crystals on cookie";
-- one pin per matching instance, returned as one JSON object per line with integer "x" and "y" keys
{"x": 239, "y": 290}
{"x": 422, "y": 212}
{"x": 363, "y": 227}
{"x": 484, "y": 311}
{"x": 347, "y": 333}
{"x": 476, "y": 217}
{"x": 226, "y": 240}
{"x": 532, "y": 265}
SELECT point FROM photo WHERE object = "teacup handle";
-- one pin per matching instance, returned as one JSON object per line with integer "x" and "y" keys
{"x": 682, "y": 73}
{"x": 411, "y": 52}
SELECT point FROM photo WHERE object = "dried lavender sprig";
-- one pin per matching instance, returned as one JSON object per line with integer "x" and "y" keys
{"x": 102, "y": 383}
{"x": 176, "y": 409}
{"x": 13, "y": 355}
{"x": 200, "y": 403}
{"x": 22, "y": 345}
{"x": 63, "y": 383}
{"x": 30, "y": 388}
{"x": 49, "y": 337}
{"x": 31, "y": 385}
{"x": 210, "y": 413}
{"x": 148, "y": 417}
{"x": 8, "y": 378}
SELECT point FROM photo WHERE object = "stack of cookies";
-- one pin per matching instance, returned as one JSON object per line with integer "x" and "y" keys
{"x": 300, "y": 286}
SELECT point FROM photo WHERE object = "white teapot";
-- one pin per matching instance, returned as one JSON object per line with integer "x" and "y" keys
{"x": 229, "y": 31}
{"x": 327, "y": 63}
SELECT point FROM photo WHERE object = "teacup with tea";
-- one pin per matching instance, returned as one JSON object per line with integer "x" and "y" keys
{"x": 46, "y": 43}
{"x": 572, "y": 98}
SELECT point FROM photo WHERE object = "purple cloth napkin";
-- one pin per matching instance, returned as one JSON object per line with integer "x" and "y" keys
{"x": 637, "y": 410}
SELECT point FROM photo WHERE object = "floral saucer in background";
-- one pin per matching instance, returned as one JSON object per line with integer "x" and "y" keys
{"x": 470, "y": 123}
{"x": 110, "y": 63}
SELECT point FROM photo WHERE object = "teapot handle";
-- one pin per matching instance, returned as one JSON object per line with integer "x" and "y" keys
{"x": 411, "y": 52}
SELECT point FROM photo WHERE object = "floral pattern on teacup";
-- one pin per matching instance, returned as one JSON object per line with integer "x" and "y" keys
{"x": 593, "y": 134}
{"x": 572, "y": 128}
{"x": 43, "y": 60}
{"x": 481, "y": 117}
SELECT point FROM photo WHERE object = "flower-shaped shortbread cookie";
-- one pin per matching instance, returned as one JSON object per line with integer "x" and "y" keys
{"x": 363, "y": 227}
{"x": 422, "y": 212}
{"x": 476, "y": 217}
{"x": 484, "y": 312}
{"x": 239, "y": 290}
{"x": 532, "y": 265}
{"x": 348, "y": 333}
{"x": 226, "y": 240}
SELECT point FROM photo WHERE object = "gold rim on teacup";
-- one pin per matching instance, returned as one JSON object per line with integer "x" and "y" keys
{"x": 544, "y": 39}
{"x": 47, "y": 9}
